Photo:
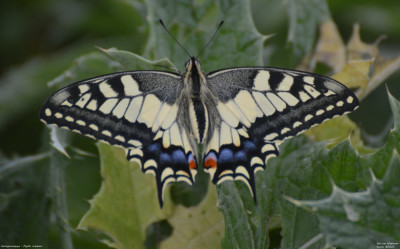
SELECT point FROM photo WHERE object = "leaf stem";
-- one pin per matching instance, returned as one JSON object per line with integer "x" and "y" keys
{"x": 58, "y": 194}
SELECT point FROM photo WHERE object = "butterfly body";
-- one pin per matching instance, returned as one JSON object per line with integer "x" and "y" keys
{"x": 239, "y": 115}
{"x": 198, "y": 93}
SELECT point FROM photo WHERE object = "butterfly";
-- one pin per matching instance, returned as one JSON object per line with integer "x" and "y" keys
{"x": 239, "y": 115}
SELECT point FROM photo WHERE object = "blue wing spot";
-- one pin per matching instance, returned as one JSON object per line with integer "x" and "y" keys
{"x": 249, "y": 146}
{"x": 225, "y": 156}
{"x": 190, "y": 158}
{"x": 179, "y": 156}
{"x": 240, "y": 156}
{"x": 165, "y": 158}
{"x": 153, "y": 148}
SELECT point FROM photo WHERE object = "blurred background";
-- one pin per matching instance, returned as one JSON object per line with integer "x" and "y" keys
{"x": 41, "y": 39}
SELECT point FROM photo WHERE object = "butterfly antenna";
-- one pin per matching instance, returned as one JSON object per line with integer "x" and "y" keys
{"x": 162, "y": 23}
{"x": 212, "y": 38}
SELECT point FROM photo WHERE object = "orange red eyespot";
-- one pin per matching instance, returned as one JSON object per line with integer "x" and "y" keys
{"x": 210, "y": 161}
{"x": 192, "y": 163}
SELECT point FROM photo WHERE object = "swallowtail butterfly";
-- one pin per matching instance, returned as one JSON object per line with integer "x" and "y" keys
{"x": 239, "y": 115}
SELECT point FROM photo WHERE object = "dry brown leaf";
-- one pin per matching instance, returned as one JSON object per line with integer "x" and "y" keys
{"x": 358, "y": 65}
{"x": 330, "y": 49}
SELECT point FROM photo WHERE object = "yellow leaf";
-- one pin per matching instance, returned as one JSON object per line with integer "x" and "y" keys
{"x": 355, "y": 74}
{"x": 197, "y": 227}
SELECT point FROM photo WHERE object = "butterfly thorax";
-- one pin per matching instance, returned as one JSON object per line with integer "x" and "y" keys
{"x": 198, "y": 114}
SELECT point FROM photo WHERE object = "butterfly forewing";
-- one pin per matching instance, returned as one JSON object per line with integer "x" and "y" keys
{"x": 261, "y": 107}
{"x": 135, "y": 110}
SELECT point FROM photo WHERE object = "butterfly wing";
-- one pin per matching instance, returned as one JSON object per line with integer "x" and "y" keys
{"x": 258, "y": 108}
{"x": 138, "y": 111}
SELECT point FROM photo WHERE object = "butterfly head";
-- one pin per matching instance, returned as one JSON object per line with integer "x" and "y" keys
{"x": 192, "y": 65}
{"x": 193, "y": 76}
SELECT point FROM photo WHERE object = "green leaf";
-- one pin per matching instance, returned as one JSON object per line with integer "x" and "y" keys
{"x": 298, "y": 173}
{"x": 359, "y": 219}
{"x": 126, "y": 203}
{"x": 58, "y": 194}
{"x": 130, "y": 61}
{"x": 238, "y": 43}
{"x": 380, "y": 160}
{"x": 20, "y": 188}
{"x": 363, "y": 219}
{"x": 106, "y": 61}
{"x": 87, "y": 66}
{"x": 304, "y": 18}
{"x": 238, "y": 232}
{"x": 395, "y": 106}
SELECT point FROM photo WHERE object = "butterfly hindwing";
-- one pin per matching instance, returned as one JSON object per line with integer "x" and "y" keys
{"x": 261, "y": 107}
{"x": 136, "y": 110}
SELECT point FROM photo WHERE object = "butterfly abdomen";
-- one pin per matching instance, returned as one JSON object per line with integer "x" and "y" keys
{"x": 198, "y": 116}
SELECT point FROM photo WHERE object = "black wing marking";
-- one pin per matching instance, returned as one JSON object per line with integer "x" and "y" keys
{"x": 135, "y": 110}
{"x": 261, "y": 107}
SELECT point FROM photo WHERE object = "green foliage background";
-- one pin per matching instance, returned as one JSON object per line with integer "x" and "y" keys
{"x": 353, "y": 201}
